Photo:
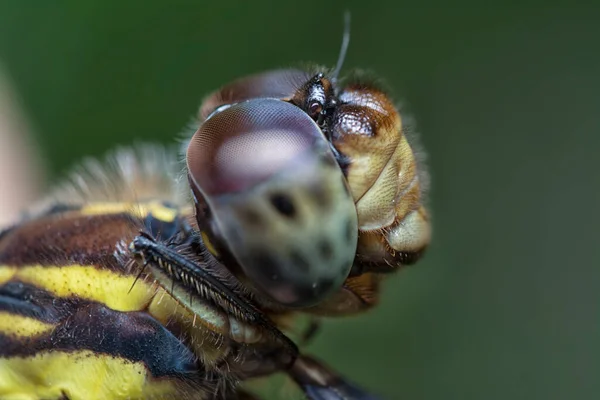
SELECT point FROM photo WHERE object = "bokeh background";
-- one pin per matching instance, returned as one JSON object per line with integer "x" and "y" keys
{"x": 507, "y": 101}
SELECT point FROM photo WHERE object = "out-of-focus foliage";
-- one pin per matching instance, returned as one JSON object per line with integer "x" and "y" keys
{"x": 507, "y": 98}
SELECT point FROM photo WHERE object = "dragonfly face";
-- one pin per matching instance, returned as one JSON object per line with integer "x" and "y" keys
{"x": 365, "y": 134}
{"x": 305, "y": 194}
{"x": 270, "y": 195}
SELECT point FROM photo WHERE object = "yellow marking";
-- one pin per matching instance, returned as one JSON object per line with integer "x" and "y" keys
{"x": 208, "y": 244}
{"x": 166, "y": 309}
{"x": 172, "y": 303}
{"x": 413, "y": 233}
{"x": 6, "y": 273}
{"x": 22, "y": 326}
{"x": 138, "y": 209}
{"x": 81, "y": 375}
{"x": 87, "y": 282}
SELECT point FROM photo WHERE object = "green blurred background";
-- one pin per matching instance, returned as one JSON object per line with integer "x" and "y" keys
{"x": 506, "y": 98}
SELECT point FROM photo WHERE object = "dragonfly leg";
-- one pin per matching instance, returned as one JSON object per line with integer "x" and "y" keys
{"x": 319, "y": 382}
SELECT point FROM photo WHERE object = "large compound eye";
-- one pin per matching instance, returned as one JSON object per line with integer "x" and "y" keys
{"x": 275, "y": 198}
{"x": 277, "y": 84}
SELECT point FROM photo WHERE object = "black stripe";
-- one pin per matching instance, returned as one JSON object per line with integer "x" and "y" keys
{"x": 30, "y": 301}
{"x": 135, "y": 336}
{"x": 165, "y": 230}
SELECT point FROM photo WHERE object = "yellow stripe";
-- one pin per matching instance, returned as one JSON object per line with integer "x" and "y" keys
{"x": 158, "y": 210}
{"x": 167, "y": 309}
{"x": 209, "y": 245}
{"x": 81, "y": 375}
{"x": 6, "y": 273}
{"x": 22, "y": 326}
{"x": 86, "y": 282}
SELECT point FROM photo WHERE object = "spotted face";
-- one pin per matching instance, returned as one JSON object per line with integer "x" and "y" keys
{"x": 288, "y": 168}
{"x": 271, "y": 196}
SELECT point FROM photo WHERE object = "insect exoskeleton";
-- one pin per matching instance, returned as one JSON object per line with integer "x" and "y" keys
{"x": 366, "y": 133}
{"x": 385, "y": 177}
{"x": 272, "y": 200}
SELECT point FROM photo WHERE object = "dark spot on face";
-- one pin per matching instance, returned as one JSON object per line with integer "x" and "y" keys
{"x": 267, "y": 265}
{"x": 299, "y": 261}
{"x": 311, "y": 291}
{"x": 321, "y": 194}
{"x": 324, "y": 285}
{"x": 350, "y": 229}
{"x": 325, "y": 249}
{"x": 283, "y": 204}
{"x": 304, "y": 293}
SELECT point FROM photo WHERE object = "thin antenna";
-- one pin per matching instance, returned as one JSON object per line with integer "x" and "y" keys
{"x": 345, "y": 44}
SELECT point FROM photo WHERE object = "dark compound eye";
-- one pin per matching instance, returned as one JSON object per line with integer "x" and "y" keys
{"x": 278, "y": 84}
{"x": 246, "y": 144}
{"x": 255, "y": 165}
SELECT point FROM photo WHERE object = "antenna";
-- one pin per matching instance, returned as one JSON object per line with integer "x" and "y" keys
{"x": 345, "y": 44}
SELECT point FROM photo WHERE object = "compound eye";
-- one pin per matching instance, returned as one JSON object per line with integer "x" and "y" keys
{"x": 247, "y": 144}
{"x": 278, "y": 84}
{"x": 277, "y": 200}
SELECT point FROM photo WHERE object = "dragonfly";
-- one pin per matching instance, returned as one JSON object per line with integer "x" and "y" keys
{"x": 159, "y": 273}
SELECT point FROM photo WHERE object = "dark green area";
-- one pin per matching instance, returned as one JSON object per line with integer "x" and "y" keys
{"x": 507, "y": 100}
